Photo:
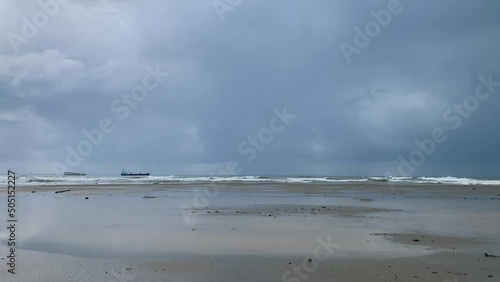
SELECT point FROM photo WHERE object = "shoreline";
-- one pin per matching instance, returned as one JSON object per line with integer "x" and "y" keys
{"x": 378, "y": 186}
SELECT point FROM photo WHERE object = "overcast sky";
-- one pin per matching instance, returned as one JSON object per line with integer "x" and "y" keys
{"x": 231, "y": 68}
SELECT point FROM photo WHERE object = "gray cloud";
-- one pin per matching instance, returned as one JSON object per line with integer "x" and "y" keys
{"x": 227, "y": 77}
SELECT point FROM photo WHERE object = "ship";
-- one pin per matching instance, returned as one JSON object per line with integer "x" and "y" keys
{"x": 124, "y": 173}
{"x": 71, "y": 173}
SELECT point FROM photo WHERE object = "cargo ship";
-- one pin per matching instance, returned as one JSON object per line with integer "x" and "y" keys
{"x": 124, "y": 173}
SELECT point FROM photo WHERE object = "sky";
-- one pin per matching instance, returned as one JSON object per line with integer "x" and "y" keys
{"x": 346, "y": 88}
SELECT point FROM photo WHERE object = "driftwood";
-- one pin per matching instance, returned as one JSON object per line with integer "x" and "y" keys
{"x": 491, "y": 256}
{"x": 62, "y": 191}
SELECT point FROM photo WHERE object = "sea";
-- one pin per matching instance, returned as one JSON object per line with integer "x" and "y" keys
{"x": 38, "y": 180}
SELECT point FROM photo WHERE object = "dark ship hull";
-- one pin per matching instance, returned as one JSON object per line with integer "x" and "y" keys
{"x": 135, "y": 174}
{"x": 124, "y": 173}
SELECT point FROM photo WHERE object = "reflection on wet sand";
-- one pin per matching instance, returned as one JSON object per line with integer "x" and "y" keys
{"x": 248, "y": 221}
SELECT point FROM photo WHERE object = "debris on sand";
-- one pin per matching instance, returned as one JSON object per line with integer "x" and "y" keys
{"x": 490, "y": 256}
{"x": 62, "y": 191}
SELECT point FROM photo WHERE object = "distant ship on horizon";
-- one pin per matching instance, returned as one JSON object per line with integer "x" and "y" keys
{"x": 71, "y": 173}
{"x": 124, "y": 173}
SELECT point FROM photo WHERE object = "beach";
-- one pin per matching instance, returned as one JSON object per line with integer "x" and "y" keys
{"x": 255, "y": 231}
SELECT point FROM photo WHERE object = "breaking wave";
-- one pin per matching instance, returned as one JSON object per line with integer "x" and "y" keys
{"x": 27, "y": 180}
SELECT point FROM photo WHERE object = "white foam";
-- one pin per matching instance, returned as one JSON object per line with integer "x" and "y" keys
{"x": 95, "y": 180}
{"x": 445, "y": 180}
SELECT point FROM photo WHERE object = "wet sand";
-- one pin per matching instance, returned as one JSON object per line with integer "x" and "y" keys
{"x": 256, "y": 232}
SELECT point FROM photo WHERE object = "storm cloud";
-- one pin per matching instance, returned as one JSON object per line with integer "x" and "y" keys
{"x": 60, "y": 75}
